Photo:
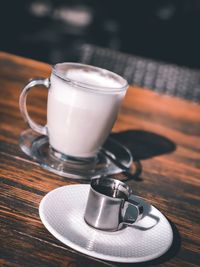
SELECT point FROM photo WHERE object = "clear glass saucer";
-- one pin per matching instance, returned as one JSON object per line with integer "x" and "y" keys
{"x": 37, "y": 147}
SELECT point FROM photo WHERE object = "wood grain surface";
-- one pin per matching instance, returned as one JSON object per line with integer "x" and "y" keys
{"x": 161, "y": 131}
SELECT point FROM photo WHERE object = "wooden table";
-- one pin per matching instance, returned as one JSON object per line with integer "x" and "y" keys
{"x": 161, "y": 131}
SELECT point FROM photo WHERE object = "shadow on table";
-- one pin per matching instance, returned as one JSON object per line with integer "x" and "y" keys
{"x": 143, "y": 145}
{"x": 173, "y": 250}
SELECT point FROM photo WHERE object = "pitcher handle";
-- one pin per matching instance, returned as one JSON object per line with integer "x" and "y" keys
{"x": 130, "y": 219}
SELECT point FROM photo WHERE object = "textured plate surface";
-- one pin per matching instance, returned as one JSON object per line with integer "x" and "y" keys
{"x": 62, "y": 212}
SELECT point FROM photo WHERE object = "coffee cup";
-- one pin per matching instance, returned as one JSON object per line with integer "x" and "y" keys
{"x": 109, "y": 206}
{"x": 83, "y": 103}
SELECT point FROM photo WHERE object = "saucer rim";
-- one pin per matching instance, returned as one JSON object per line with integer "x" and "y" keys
{"x": 94, "y": 254}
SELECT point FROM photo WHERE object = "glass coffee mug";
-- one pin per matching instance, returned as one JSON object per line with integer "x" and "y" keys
{"x": 83, "y": 103}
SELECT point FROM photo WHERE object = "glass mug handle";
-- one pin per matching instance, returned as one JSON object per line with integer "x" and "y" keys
{"x": 23, "y": 108}
{"x": 129, "y": 219}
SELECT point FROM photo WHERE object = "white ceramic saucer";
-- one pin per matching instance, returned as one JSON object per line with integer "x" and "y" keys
{"x": 62, "y": 213}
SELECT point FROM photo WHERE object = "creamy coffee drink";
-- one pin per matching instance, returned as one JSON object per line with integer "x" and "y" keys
{"x": 80, "y": 118}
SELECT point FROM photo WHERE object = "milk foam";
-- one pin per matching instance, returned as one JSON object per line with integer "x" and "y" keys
{"x": 92, "y": 78}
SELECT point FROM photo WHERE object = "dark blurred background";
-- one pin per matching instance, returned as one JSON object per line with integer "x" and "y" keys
{"x": 54, "y": 30}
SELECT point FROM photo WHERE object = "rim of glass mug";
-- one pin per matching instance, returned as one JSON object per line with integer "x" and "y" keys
{"x": 59, "y": 70}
